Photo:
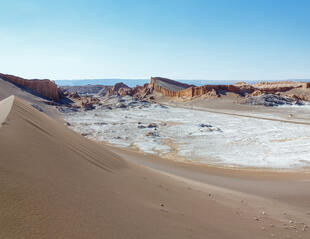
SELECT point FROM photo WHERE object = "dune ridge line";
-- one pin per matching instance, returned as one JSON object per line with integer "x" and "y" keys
{"x": 5, "y": 108}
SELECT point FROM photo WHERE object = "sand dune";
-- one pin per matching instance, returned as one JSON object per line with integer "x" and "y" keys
{"x": 55, "y": 183}
{"x": 5, "y": 107}
{"x": 7, "y": 89}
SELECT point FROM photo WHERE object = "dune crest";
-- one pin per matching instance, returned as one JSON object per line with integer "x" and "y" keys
{"x": 5, "y": 108}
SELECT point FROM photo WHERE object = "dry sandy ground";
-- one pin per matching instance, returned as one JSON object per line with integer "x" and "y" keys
{"x": 55, "y": 183}
{"x": 229, "y": 105}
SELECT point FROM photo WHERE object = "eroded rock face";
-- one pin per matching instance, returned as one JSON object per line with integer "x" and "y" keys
{"x": 296, "y": 91}
{"x": 120, "y": 89}
{"x": 176, "y": 89}
{"x": 166, "y": 86}
{"x": 119, "y": 86}
{"x": 44, "y": 88}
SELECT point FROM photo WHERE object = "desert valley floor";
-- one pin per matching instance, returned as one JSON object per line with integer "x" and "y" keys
{"x": 197, "y": 136}
{"x": 240, "y": 181}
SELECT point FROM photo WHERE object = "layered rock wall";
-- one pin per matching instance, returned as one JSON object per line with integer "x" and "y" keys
{"x": 45, "y": 88}
{"x": 166, "y": 86}
{"x": 172, "y": 88}
{"x": 176, "y": 89}
{"x": 156, "y": 84}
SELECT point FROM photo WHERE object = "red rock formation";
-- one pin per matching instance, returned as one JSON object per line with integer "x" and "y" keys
{"x": 176, "y": 89}
{"x": 139, "y": 92}
{"x": 166, "y": 86}
{"x": 120, "y": 85}
{"x": 45, "y": 88}
{"x": 118, "y": 89}
{"x": 172, "y": 88}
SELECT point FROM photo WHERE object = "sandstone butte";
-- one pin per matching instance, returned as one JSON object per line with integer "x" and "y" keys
{"x": 176, "y": 89}
{"x": 45, "y": 88}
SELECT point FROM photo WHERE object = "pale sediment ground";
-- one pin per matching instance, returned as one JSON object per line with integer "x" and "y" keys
{"x": 203, "y": 136}
{"x": 54, "y": 183}
{"x": 228, "y": 105}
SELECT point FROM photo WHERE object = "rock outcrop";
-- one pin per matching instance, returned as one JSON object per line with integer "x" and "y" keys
{"x": 172, "y": 88}
{"x": 176, "y": 89}
{"x": 137, "y": 92}
{"x": 118, "y": 89}
{"x": 44, "y": 88}
{"x": 264, "y": 93}
{"x": 89, "y": 103}
{"x": 166, "y": 86}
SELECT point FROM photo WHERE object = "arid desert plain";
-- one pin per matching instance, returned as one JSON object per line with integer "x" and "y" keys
{"x": 163, "y": 160}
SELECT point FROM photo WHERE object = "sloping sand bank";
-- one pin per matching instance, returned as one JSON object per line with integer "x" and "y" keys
{"x": 56, "y": 184}
{"x": 7, "y": 89}
{"x": 5, "y": 108}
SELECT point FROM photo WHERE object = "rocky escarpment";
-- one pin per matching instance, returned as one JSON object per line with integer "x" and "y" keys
{"x": 44, "y": 88}
{"x": 296, "y": 90}
{"x": 268, "y": 94}
{"x": 167, "y": 87}
{"x": 176, "y": 89}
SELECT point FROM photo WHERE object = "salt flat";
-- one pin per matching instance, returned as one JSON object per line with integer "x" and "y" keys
{"x": 198, "y": 136}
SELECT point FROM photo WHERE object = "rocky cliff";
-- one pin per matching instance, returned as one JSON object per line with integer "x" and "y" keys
{"x": 176, "y": 89}
{"x": 166, "y": 86}
{"x": 282, "y": 91}
{"x": 172, "y": 88}
{"x": 44, "y": 88}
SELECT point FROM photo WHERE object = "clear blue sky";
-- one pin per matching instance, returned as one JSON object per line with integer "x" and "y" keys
{"x": 181, "y": 39}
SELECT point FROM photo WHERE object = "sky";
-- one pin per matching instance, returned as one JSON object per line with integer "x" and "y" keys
{"x": 178, "y": 39}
